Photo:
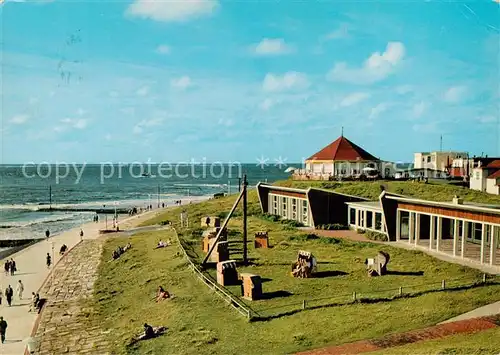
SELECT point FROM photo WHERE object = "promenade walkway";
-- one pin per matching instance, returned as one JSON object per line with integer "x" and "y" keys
{"x": 66, "y": 326}
{"x": 32, "y": 271}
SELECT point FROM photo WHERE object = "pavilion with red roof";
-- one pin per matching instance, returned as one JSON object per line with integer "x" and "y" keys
{"x": 341, "y": 158}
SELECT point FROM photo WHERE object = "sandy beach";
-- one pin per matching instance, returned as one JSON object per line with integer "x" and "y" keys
{"x": 32, "y": 271}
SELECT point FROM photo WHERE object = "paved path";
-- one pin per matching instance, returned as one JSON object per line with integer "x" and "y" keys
{"x": 64, "y": 326}
{"x": 399, "y": 339}
{"x": 485, "y": 311}
{"x": 32, "y": 271}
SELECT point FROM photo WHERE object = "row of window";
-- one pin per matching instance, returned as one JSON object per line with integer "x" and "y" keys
{"x": 289, "y": 208}
{"x": 372, "y": 221}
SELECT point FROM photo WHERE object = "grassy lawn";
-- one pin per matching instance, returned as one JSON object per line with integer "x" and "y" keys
{"x": 482, "y": 343}
{"x": 200, "y": 323}
{"x": 434, "y": 191}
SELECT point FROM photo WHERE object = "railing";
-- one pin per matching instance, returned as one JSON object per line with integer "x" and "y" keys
{"x": 227, "y": 296}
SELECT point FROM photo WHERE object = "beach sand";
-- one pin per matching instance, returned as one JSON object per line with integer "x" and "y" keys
{"x": 32, "y": 271}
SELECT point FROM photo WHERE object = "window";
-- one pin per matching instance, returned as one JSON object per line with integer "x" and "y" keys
{"x": 378, "y": 221}
{"x": 428, "y": 159}
{"x": 275, "y": 205}
{"x": 369, "y": 219}
{"x": 294, "y": 208}
{"x": 283, "y": 207}
{"x": 305, "y": 212}
{"x": 352, "y": 216}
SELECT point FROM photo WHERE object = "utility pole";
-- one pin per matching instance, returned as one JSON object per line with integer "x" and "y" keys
{"x": 245, "y": 251}
{"x": 239, "y": 184}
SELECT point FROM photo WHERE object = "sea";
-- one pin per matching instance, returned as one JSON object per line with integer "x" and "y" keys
{"x": 26, "y": 191}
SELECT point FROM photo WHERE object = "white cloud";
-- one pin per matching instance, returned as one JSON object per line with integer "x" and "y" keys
{"x": 81, "y": 112}
{"x": 430, "y": 127}
{"x": 139, "y": 127}
{"x": 142, "y": 91}
{"x": 454, "y": 94}
{"x": 419, "y": 109}
{"x": 404, "y": 89}
{"x": 225, "y": 122}
{"x": 267, "y": 104}
{"x": 181, "y": 83}
{"x": 128, "y": 110}
{"x": 377, "y": 110}
{"x": 376, "y": 68}
{"x": 487, "y": 119}
{"x": 33, "y": 100}
{"x": 75, "y": 123}
{"x": 354, "y": 99}
{"x": 163, "y": 49}
{"x": 19, "y": 119}
{"x": 288, "y": 81}
{"x": 172, "y": 11}
{"x": 339, "y": 33}
{"x": 272, "y": 46}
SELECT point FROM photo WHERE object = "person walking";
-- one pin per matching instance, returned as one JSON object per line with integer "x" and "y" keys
{"x": 49, "y": 260}
{"x": 3, "y": 329}
{"x": 9, "y": 292}
{"x": 20, "y": 290}
{"x": 81, "y": 234}
{"x": 7, "y": 267}
{"x": 13, "y": 267}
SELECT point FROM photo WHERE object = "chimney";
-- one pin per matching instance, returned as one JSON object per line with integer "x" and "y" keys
{"x": 457, "y": 200}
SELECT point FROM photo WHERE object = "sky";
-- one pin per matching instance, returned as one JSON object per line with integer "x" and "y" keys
{"x": 123, "y": 81}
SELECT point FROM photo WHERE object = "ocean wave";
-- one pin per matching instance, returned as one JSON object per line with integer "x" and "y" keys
{"x": 49, "y": 219}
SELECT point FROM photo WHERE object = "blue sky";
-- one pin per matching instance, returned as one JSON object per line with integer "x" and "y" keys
{"x": 91, "y": 81}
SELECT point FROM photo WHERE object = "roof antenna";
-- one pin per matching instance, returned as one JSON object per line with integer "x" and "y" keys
{"x": 342, "y": 132}
{"x": 441, "y": 144}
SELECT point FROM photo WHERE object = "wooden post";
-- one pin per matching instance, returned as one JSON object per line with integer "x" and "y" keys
{"x": 217, "y": 237}
{"x": 245, "y": 249}
{"x": 484, "y": 278}
{"x": 400, "y": 291}
{"x": 304, "y": 304}
{"x": 354, "y": 296}
{"x": 443, "y": 284}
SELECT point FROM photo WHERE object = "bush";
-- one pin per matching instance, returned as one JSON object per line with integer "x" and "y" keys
{"x": 376, "y": 236}
{"x": 360, "y": 231}
{"x": 303, "y": 237}
{"x": 270, "y": 217}
{"x": 165, "y": 223}
{"x": 291, "y": 223}
{"x": 332, "y": 227}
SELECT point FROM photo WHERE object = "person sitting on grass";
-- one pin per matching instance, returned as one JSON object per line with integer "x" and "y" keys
{"x": 161, "y": 244}
{"x": 127, "y": 247}
{"x": 161, "y": 294}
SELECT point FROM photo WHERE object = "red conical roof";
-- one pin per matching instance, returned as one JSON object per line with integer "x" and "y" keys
{"x": 342, "y": 149}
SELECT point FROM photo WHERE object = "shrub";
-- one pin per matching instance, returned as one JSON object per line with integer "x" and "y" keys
{"x": 164, "y": 223}
{"x": 376, "y": 236}
{"x": 291, "y": 223}
{"x": 303, "y": 237}
{"x": 270, "y": 217}
{"x": 360, "y": 231}
{"x": 334, "y": 226}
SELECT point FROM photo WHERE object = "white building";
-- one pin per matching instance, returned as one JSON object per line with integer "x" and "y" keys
{"x": 436, "y": 160}
{"x": 486, "y": 178}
